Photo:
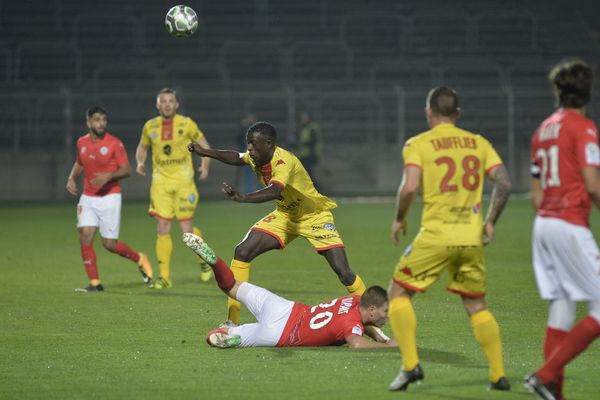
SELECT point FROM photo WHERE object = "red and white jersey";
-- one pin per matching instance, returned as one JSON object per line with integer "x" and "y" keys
{"x": 104, "y": 155}
{"x": 324, "y": 324}
{"x": 563, "y": 144}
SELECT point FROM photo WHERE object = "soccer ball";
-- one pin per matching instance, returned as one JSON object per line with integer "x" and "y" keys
{"x": 181, "y": 21}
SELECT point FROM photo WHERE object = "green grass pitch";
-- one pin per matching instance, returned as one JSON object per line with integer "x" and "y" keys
{"x": 132, "y": 342}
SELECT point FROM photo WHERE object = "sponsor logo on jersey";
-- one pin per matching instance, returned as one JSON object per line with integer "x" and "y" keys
{"x": 406, "y": 271}
{"x": 590, "y": 131}
{"x": 83, "y": 149}
{"x": 329, "y": 226}
{"x": 279, "y": 162}
{"x": 167, "y": 149}
{"x": 476, "y": 208}
{"x": 104, "y": 150}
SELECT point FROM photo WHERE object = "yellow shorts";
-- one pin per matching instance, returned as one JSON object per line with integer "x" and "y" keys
{"x": 318, "y": 228}
{"x": 168, "y": 200}
{"x": 422, "y": 264}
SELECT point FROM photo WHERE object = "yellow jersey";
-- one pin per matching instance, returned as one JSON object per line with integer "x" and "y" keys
{"x": 299, "y": 196}
{"x": 454, "y": 163}
{"x": 168, "y": 138}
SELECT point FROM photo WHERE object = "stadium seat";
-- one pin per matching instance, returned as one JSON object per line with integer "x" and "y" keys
{"x": 6, "y": 64}
{"x": 127, "y": 77}
{"x": 475, "y": 73}
{"x": 435, "y": 32}
{"x": 515, "y": 31}
{"x": 47, "y": 62}
{"x": 321, "y": 60}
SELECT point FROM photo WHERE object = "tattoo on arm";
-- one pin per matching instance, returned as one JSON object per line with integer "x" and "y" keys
{"x": 500, "y": 194}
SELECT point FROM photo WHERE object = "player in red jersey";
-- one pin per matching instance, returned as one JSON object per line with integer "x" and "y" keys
{"x": 565, "y": 160}
{"x": 103, "y": 161}
{"x": 282, "y": 323}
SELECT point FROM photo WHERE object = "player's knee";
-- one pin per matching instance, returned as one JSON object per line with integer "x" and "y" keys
{"x": 243, "y": 252}
{"x": 346, "y": 277}
{"x": 109, "y": 245}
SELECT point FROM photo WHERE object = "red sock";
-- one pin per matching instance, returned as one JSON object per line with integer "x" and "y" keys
{"x": 125, "y": 251}
{"x": 89, "y": 261}
{"x": 223, "y": 275}
{"x": 552, "y": 341}
{"x": 576, "y": 341}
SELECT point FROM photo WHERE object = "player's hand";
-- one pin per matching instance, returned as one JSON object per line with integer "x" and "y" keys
{"x": 100, "y": 178}
{"x": 488, "y": 233}
{"x": 398, "y": 226}
{"x": 72, "y": 187}
{"x": 195, "y": 148}
{"x": 231, "y": 192}
{"x": 141, "y": 169}
{"x": 202, "y": 173}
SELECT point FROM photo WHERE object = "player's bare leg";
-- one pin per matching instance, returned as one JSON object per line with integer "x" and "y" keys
{"x": 487, "y": 333}
{"x": 254, "y": 244}
{"x": 337, "y": 260}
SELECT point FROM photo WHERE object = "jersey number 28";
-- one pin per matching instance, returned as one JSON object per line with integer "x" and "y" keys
{"x": 470, "y": 177}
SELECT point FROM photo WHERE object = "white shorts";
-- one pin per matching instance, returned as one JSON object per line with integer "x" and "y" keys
{"x": 101, "y": 211}
{"x": 566, "y": 260}
{"x": 271, "y": 312}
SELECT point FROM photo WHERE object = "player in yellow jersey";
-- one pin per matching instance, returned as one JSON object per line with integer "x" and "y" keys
{"x": 300, "y": 209}
{"x": 173, "y": 192}
{"x": 450, "y": 165}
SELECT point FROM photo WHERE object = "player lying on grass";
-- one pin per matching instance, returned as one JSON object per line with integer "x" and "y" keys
{"x": 282, "y": 322}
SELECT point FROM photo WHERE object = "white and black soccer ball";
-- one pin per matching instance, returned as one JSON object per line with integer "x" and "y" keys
{"x": 181, "y": 21}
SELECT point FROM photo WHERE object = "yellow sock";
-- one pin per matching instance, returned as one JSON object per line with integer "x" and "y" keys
{"x": 241, "y": 272}
{"x": 487, "y": 333}
{"x": 404, "y": 325}
{"x": 197, "y": 232}
{"x": 164, "y": 249}
{"x": 358, "y": 287}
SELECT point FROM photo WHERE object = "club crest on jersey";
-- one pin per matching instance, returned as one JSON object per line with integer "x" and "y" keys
{"x": 167, "y": 149}
{"x": 192, "y": 198}
{"x": 476, "y": 208}
{"x": 329, "y": 226}
{"x": 104, "y": 150}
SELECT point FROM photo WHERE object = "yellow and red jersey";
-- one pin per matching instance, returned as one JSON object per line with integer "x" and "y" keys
{"x": 168, "y": 139}
{"x": 103, "y": 155}
{"x": 299, "y": 196}
{"x": 454, "y": 163}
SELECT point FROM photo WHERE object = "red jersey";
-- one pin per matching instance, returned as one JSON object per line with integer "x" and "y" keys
{"x": 323, "y": 325}
{"x": 563, "y": 144}
{"x": 104, "y": 155}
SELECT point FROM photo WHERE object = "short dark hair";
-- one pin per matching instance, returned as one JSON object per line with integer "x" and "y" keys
{"x": 95, "y": 110}
{"x": 167, "y": 90}
{"x": 443, "y": 101}
{"x": 374, "y": 296}
{"x": 572, "y": 81}
{"x": 263, "y": 128}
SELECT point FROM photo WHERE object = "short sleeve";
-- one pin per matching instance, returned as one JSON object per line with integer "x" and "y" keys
{"x": 588, "y": 153}
{"x": 194, "y": 133}
{"x": 121, "y": 154}
{"x": 79, "y": 160}
{"x": 492, "y": 159}
{"x": 410, "y": 154}
{"x": 146, "y": 140}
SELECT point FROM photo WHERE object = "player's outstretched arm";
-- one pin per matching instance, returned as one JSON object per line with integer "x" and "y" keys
{"x": 361, "y": 342}
{"x": 225, "y": 156}
{"x": 269, "y": 193}
{"x": 205, "y": 161}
